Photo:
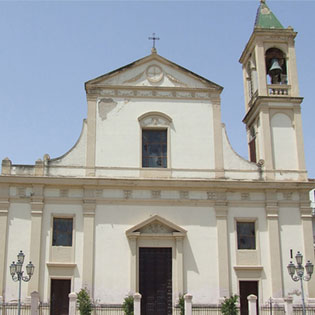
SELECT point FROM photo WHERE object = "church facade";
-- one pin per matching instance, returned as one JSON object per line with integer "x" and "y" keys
{"x": 153, "y": 199}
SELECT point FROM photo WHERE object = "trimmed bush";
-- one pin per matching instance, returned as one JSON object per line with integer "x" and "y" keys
{"x": 229, "y": 305}
{"x": 84, "y": 301}
{"x": 128, "y": 305}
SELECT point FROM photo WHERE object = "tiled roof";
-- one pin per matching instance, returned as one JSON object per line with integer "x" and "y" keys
{"x": 265, "y": 18}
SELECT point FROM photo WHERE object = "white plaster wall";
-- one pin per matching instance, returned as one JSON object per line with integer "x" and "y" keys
{"x": 262, "y": 246}
{"x": 50, "y": 211}
{"x": 291, "y": 234}
{"x": 283, "y": 142}
{"x": 76, "y": 155}
{"x": 200, "y": 255}
{"x": 232, "y": 161}
{"x": 112, "y": 250}
{"x": 118, "y": 141}
{"x": 71, "y": 171}
{"x": 19, "y": 233}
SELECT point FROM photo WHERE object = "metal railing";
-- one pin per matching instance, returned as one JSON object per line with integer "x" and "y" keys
{"x": 12, "y": 309}
{"x": 44, "y": 309}
{"x": 274, "y": 310}
{"x": 106, "y": 310}
{"x": 298, "y": 310}
{"x": 206, "y": 310}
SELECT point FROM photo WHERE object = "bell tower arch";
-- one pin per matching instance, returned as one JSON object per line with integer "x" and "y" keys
{"x": 272, "y": 99}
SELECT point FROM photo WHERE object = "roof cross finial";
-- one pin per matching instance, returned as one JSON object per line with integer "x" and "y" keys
{"x": 153, "y": 38}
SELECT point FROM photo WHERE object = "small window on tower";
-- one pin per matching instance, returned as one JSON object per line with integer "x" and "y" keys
{"x": 154, "y": 148}
{"x": 252, "y": 145}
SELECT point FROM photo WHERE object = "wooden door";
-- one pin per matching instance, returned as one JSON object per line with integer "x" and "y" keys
{"x": 247, "y": 288}
{"x": 155, "y": 280}
{"x": 59, "y": 296}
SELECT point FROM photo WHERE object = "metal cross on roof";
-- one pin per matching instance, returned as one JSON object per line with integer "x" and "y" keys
{"x": 154, "y": 39}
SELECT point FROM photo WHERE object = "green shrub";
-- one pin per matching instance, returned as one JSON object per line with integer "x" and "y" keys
{"x": 84, "y": 301}
{"x": 228, "y": 306}
{"x": 128, "y": 305}
{"x": 181, "y": 304}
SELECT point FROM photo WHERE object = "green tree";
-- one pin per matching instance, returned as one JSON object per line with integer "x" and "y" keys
{"x": 128, "y": 305}
{"x": 229, "y": 306}
{"x": 84, "y": 301}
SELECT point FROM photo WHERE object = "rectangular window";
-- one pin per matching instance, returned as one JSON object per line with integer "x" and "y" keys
{"x": 62, "y": 232}
{"x": 246, "y": 235}
{"x": 252, "y": 150}
{"x": 154, "y": 148}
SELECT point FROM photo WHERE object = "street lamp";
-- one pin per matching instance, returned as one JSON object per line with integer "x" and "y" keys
{"x": 298, "y": 269}
{"x": 17, "y": 274}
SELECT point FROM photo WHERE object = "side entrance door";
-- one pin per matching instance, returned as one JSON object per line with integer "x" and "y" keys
{"x": 59, "y": 296}
{"x": 247, "y": 288}
{"x": 155, "y": 280}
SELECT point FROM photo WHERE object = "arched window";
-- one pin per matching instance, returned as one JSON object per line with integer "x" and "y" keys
{"x": 276, "y": 67}
{"x": 155, "y": 134}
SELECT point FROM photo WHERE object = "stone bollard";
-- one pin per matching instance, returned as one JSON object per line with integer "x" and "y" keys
{"x": 1, "y": 302}
{"x": 188, "y": 304}
{"x": 72, "y": 303}
{"x": 34, "y": 303}
{"x": 288, "y": 306}
{"x": 252, "y": 301}
{"x": 137, "y": 304}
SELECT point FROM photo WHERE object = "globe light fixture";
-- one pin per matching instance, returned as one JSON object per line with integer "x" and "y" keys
{"x": 17, "y": 274}
{"x": 296, "y": 273}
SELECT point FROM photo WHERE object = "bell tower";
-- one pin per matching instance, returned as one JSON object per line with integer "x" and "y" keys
{"x": 272, "y": 100}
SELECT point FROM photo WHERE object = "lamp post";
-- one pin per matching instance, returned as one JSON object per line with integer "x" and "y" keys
{"x": 298, "y": 269}
{"x": 17, "y": 274}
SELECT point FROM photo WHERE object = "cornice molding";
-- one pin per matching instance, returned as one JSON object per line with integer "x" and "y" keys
{"x": 258, "y": 106}
{"x": 100, "y": 90}
{"x": 61, "y": 265}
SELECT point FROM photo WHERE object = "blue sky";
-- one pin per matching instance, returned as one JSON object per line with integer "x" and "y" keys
{"x": 50, "y": 48}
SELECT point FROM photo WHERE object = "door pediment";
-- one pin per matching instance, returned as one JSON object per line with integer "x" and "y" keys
{"x": 156, "y": 226}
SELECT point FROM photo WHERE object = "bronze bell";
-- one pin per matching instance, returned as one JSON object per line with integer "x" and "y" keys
{"x": 275, "y": 68}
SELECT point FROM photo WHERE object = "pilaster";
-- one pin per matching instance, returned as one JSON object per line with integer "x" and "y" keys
{"x": 272, "y": 213}
{"x": 37, "y": 206}
{"x": 306, "y": 219}
{"x": 218, "y": 142}
{"x": 91, "y": 138}
{"x": 4, "y": 210}
{"x": 89, "y": 206}
{"x": 292, "y": 69}
{"x": 179, "y": 262}
{"x": 221, "y": 210}
{"x": 133, "y": 263}
{"x": 261, "y": 68}
{"x": 299, "y": 141}
{"x": 265, "y": 141}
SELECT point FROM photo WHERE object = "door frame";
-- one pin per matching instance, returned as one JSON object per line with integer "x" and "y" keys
{"x": 59, "y": 278}
{"x": 156, "y": 247}
{"x": 258, "y": 290}
{"x": 164, "y": 234}
{"x": 159, "y": 244}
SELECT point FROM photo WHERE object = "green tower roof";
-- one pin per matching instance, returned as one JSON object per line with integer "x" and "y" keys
{"x": 265, "y": 18}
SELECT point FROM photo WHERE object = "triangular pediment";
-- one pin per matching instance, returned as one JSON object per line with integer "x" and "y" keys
{"x": 152, "y": 70}
{"x": 156, "y": 226}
